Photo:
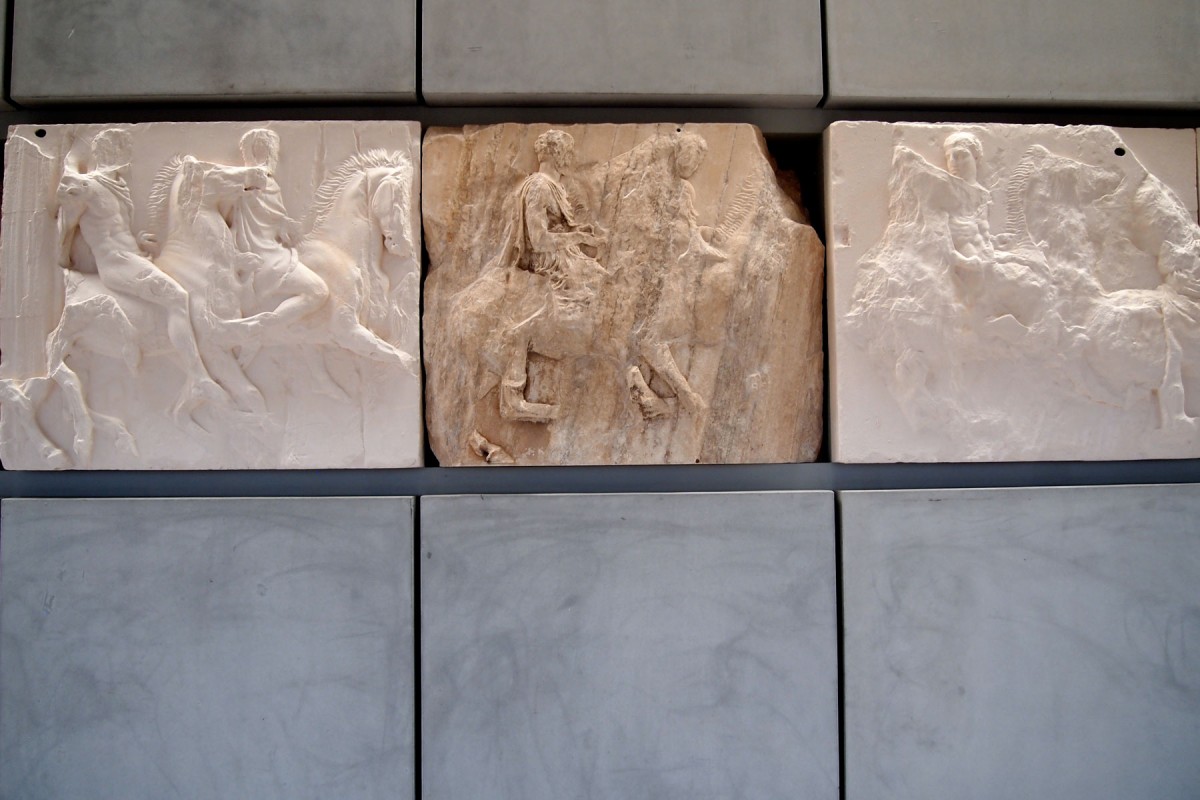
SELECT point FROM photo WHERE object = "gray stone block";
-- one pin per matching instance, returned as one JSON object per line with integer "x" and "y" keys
{"x": 754, "y": 52}
{"x": 1070, "y": 52}
{"x": 65, "y": 50}
{"x": 1022, "y": 643}
{"x": 629, "y": 646}
{"x": 206, "y": 648}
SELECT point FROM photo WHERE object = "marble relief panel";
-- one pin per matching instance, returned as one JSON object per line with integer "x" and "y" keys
{"x": 618, "y": 294}
{"x": 1012, "y": 292}
{"x": 211, "y": 295}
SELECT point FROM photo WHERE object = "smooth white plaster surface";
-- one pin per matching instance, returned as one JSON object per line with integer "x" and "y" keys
{"x": 1068, "y": 52}
{"x": 710, "y": 51}
{"x": 1022, "y": 643}
{"x": 207, "y": 648}
{"x": 1021, "y": 316}
{"x": 632, "y": 646}
{"x": 221, "y": 50}
{"x": 213, "y": 295}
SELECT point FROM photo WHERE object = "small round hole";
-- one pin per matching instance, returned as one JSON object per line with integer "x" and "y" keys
{"x": 40, "y": 133}
{"x": 679, "y": 130}
{"x": 1120, "y": 151}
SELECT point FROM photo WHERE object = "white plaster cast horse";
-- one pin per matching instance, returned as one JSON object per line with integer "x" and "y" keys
{"x": 196, "y": 249}
{"x": 362, "y": 213}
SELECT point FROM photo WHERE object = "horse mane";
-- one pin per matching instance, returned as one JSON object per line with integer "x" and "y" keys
{"x": 160, "y": 195}
{"x": 329, "y": 190}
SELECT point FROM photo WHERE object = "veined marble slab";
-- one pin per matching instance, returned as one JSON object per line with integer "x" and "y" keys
{"x": 760, "y": 52}
{"x": 4, "y": 66}
{"x": 218, "y": 295}
{"x": 1012, "y": 292}
{"x": 1022, "y": 643}
{"x": 207, "y": 648}
{"x": 66, "y": 51}
{"x": 632, "y": 646}
{"x": 1069, "y": 52}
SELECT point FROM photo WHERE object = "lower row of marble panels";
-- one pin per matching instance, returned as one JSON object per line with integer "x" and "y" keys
{"x": 995, "y": 643}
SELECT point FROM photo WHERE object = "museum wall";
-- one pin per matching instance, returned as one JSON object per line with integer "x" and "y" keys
{"x": 947, "y": 579}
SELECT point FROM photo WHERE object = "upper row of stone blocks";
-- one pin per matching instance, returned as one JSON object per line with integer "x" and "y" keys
{"x": 754, "y": 52}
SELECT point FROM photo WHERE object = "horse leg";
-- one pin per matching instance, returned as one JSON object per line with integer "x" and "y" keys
{"x": 19, "y": 419}
{"x": 198, "y": 385}
{"x": 323, "y": 382}
{"x": 658, "y": 356}
{"x": 1171, "y": 397}
{"x": 349, "y": 333}
{"x": 225, "y": 369}
{"x": 81, "y": 415}
{"x": 513, "y": 404}
{"x": 652, "y": 406}
{"x": 89, "y": 421}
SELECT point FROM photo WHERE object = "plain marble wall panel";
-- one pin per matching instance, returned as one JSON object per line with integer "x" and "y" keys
{"x": 632, "y": 646}
{"x": 207, "y": 648}
{"x": 1070, "y": 52}
{"x": 710, "y": 51}
{"x": 65, "y": 51}
{"x": 1022, "y": 643}
{"x": 3, "y": 61}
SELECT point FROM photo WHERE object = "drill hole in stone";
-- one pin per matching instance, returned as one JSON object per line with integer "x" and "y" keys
{"x": 1120, "y": 151}
{"x": 40, "y": 133}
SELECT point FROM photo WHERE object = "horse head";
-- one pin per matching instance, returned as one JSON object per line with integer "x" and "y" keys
{"x": 390, "y": 208}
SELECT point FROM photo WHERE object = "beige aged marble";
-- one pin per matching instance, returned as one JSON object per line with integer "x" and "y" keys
{"x": 210, "y": 295}
{"x": 617, "y": 294}
{"x": 1013, "y": 292}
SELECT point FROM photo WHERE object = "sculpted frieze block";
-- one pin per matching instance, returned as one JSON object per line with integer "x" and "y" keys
{"x": 1013, "y": 292}
{"x": 210, "y": 295}
{"x": 618, "y": 294}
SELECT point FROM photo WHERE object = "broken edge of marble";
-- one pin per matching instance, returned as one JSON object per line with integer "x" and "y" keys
{"x": 679, "y": 320}
{"x": 303, "y": 310}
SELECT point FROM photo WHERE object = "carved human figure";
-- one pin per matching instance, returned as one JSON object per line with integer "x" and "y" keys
{"x": 94, "y": 224}
{"x": 280, "y": 289}
{"x": 545, "y": 238}
{"x": 691, "y": 250}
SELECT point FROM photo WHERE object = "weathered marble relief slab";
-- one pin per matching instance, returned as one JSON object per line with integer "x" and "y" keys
{"x": 755, "y": 52}
{"x": 1012, "y": 292}
{"x": 1069, "y": 52}
{"x": 207, "y": 648}
{"x": 210, "y": 296}
{"x": 618, "y": 294}
{"x": 633, "y": 646}
{"x": 66, "y": 51}
{"x": 1022, "y": 643}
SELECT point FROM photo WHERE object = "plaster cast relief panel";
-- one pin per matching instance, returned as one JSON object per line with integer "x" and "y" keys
{"x": 618, "y": 294}
{"x": 1007, "y": 292}
{"x": 210, "y": 295}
